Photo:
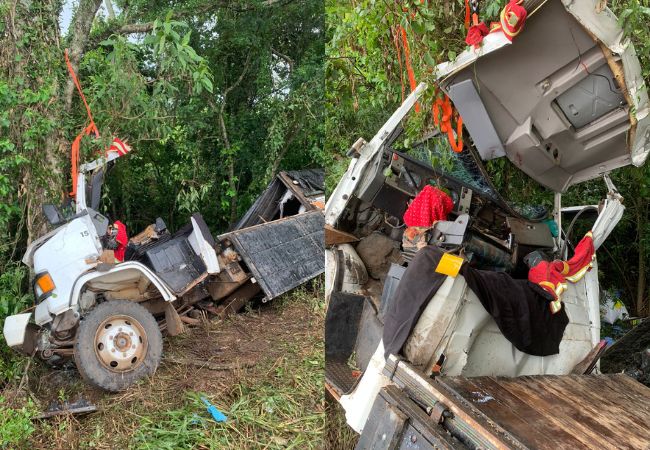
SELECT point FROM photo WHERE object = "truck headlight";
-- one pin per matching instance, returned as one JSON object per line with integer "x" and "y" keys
{"x": 44, "y": 285}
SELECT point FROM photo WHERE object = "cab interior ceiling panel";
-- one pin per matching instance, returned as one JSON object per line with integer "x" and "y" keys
{"x": 565, "y": 101}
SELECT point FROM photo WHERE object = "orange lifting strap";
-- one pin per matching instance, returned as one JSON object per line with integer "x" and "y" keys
{"x": 445, "y": 125}
{"x": 91, "y": 128}
{"x": 409, "y": 68}
{"x": 443, "y": 105}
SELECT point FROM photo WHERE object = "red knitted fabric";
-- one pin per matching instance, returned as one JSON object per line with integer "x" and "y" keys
{"x": 513, "y": 18}
{"x": 583, "y": 257}
{"x": 429, "y": 206}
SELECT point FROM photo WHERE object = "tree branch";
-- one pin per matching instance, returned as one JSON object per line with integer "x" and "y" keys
{"x": 285, "y": 58}
{"x": 109, "y": 9}
{"x": 79, "y": 33}
{"x": 226, "y": 141}
{"x": 132, "y": 28}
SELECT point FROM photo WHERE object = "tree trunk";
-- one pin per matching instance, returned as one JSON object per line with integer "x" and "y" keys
{"x": 31, "y": 63}
{"x": 109, "y": 9}
{"x": 641, "y": 285}
{"x": 79, "y": 33}
{"x": 230, "y": 159}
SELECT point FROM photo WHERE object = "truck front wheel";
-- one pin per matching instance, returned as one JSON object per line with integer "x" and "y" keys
{"x": 118, "y": 343}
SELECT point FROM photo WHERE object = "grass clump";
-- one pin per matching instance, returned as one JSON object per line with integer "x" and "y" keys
{"x": 15, "y": 424}
{"x": 281, "y": 410}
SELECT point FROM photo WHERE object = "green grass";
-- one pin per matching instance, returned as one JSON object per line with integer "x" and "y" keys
{"x": 277, "y": 403}
{"x": 280, "y": 410}
{"x": 15, "y": 424}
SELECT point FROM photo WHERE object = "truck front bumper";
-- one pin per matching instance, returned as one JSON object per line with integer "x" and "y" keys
{"x": 15, "y": 330}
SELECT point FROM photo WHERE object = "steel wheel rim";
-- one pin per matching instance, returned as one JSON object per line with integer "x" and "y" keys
{"x": 120, "y": 343}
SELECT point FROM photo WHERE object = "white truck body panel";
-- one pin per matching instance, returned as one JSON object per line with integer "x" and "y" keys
{"x": 73, "y": 250}
{"x": 14, "y": 329}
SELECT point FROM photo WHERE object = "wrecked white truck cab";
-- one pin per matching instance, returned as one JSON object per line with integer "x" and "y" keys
{"x": 565, "y": 102}
{"x": 108, "y": 314}
{"x": 97, "y": 309}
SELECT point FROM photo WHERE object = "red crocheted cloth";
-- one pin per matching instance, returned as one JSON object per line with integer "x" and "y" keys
{"x": 429, "y": 206}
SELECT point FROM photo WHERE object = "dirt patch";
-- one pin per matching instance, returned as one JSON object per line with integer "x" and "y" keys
{"x": 225, "y": 361}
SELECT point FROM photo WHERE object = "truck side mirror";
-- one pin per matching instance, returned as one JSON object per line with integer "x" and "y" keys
{"x": 52, "y": 214}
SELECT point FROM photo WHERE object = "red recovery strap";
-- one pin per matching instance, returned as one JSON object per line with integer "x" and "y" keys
{"x": 448, "y": 112}
{"x": 512, "y": 19}
{"x": 91, "y": 128}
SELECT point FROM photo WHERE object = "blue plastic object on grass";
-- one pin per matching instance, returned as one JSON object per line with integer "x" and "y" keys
{"x": 217, "y": 415}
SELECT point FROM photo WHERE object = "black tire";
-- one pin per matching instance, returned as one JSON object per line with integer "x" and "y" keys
{"x": 88, "y": 362}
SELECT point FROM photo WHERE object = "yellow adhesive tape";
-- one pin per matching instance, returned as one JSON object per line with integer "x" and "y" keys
{"x": 449, "y": 265}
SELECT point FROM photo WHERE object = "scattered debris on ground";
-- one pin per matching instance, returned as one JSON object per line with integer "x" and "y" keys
{"x": 58, "y": 408}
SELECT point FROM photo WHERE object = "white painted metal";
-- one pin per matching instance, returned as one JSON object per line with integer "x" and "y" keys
{"x": 344, "y": 262}
{"x": 80, "y": 198}
{"x": 132, "y": 270}
{"x": 14, "y": 329}
{"x": 605, "y": 27}
{"x": 610, "y": 215}
{"x": 330, "y": 273}
{"x": 71, "y": 251}
{"x": 41, "y": 314}
{"x": 357, "y": 405}
{"x": 356, "y": 170}
{"x": 602, "y": 25}
{"x": 203, "y": 249}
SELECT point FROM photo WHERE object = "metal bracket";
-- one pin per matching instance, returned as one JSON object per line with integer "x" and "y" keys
{"x": 465, "y": 200}
{"x": 447, "y": 233}
{"x": 611, "y": 189}
{"x": 438, "y": 411}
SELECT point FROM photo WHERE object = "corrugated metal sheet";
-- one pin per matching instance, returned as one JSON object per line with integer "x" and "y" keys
{"x": 284, "y": 253}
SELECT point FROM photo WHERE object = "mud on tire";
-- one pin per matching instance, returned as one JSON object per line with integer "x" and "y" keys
{"x": 96, "y": 340}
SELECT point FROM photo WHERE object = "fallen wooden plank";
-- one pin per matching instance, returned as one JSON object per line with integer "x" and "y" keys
{"x": 334, "y": 236}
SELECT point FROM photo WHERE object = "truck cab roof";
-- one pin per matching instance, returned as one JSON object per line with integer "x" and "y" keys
{"x": 565, "y": 101}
